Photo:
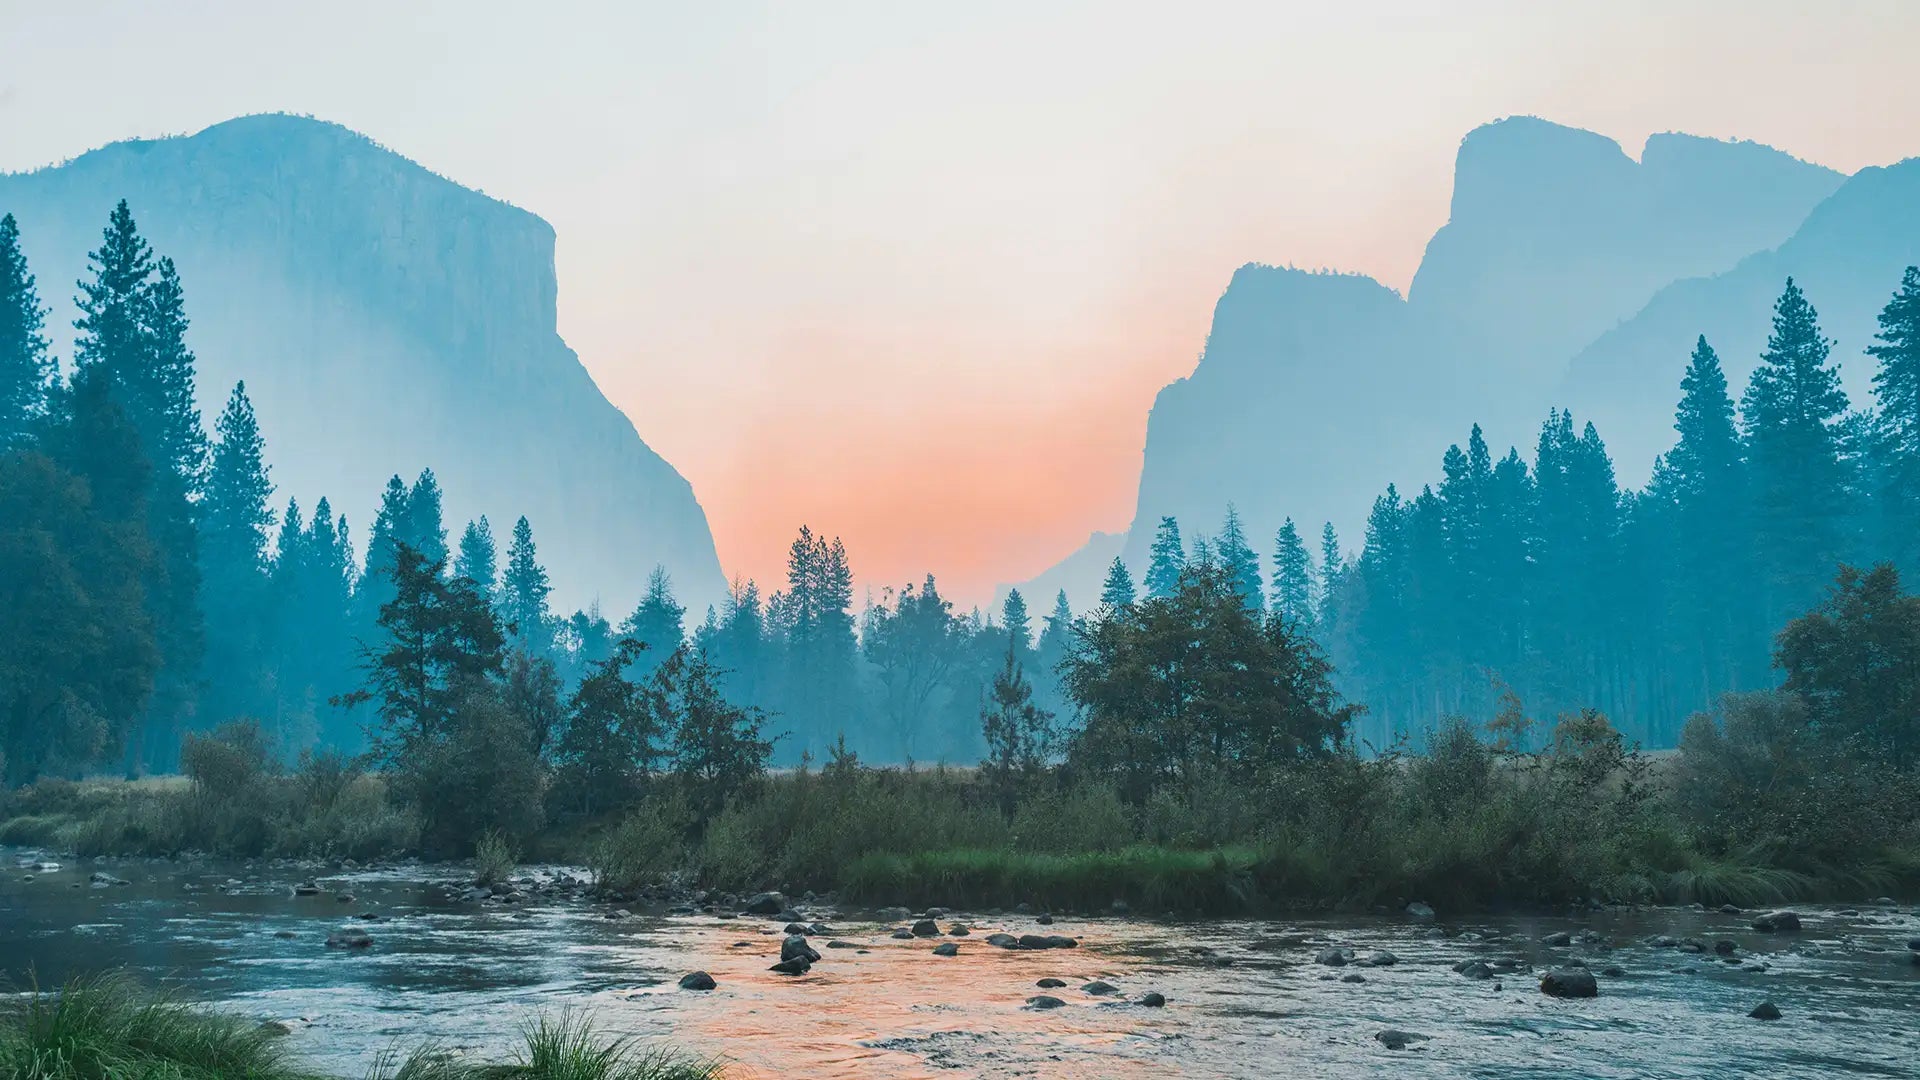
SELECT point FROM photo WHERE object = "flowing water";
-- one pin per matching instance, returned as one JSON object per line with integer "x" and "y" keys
{"x": 1243, "y": 999}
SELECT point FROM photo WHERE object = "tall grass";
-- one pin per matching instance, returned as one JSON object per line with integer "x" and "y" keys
{"x": 106, "y": 1028}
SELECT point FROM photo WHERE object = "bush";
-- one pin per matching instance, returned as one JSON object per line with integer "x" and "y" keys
{"x": 645, "y": 848}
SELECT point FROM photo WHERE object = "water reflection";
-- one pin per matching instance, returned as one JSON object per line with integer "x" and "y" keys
{"x": 1245, "y": 999}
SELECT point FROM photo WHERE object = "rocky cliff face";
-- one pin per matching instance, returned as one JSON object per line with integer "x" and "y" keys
{"x": 385, "y": 319}
{"x": 1315, "y": 391}
{"x": 1847, "y": 257}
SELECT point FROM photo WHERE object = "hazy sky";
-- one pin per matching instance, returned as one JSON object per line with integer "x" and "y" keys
{"x": 912, "y": 273}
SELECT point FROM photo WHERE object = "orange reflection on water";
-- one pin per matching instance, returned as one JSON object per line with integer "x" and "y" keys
{"x": 892, "y": 1008}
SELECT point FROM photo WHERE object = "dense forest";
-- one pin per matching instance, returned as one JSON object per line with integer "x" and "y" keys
{"x": 1204, "y": 738}
{"x": 157, "y": 586}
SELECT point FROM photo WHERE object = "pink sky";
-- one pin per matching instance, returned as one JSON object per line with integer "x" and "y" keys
{"x": 912, "y": 275}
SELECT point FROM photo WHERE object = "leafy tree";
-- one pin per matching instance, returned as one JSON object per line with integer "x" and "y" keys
{"x": 524, "y": 589}
{"x": 1896, "y": 387}
{"x": 1855, "y": 659}
{"x": 719, "y": 748}
{"x": 27, "y": 371}
{"x": 443, "y": 647}
{"x": 478, "y": 560}
{"x": 912, "y": 645}
{"x": 1168, "y": 558}
{"x": 1792, "y": 406}
{"x": 1293, "y": 591}
{"x": 1197, "y": 681}
{"x": 613, "y": 739}
{"x": 1019, "y": 734}
{"x": 1118, "y": 591}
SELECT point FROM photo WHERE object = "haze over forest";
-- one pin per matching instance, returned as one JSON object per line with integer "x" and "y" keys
{"x": 990, "y": 269}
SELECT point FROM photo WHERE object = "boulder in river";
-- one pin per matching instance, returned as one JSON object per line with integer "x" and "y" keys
{"x": 1766, "y": 1010}
{"x": 1153, "y": 999}
{"x": 1050, "y": 984}
{"x": 766, "y": 903}
{"x": 797, "y": 928}
{"x": 796, "y": 946}
{"x": 1044, "y": 1001}
{"x": 1001, "y": 941}
{"x": 1099, "y": 988}
{"x": 1569, "y": 983}
{"x": 959, "y": 929}
{"x": 100, "y": 879}
{"x": 1777, "y": 922}
{"x": 1332, "y": 957}
{"x": 1044, "y": 919}
{"x": 902, "y": 934}
{"x": 946, "y": 948}
{"x": 1558, "y": 940}
{"x": 351, "y": 937}
{"x": 1044, "y": 941}
{"x": 1724, "y": 947}
{"x": 926, "y": 928}
{"x": 1395, "y": 1039}
{"x": 796, "y": 966}
{"x": 1420, "y": 910}
{"x": 306, "y": 888}
{"x": 1381, "y": 958}
{"x": 1474, "y": 969}
{"x": 696, "y": 980}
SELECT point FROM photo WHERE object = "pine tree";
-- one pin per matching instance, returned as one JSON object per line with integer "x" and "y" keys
{"x": 1238, "y": 557}
{"x": 658, "y": 622}
{"x": 524, "y": 590}
{"x": 1019, "y": 626}
{"x": 1293, "y": 590}
{"x": 1896, "y": 387}
{"x": 1168, "y": 558}
{"x": 235, "y": 520}
{"x": 26, "y": 367}
{"x": 1332, "y": 566}
{"x": 131, "y": 344}
{"x": 478, "y": 560}
{"x": 426, "y": 530}
{"x": 1792, "y": 407}
{"x": 1118, "y": 591}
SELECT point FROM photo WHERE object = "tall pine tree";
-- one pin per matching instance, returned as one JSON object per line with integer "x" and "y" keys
{"x": 478, "y": 560}
{"x": 235, "y": 521}
{"x": 1292, "y": 599}
{"x": 26, "y": 367}
{"x": 1792, "y": 409}
{"x": 524, "y": 589}
{"x": 1168, "y": 558}
{"x": 1239, "y": 559}
{"x": 1896, "y": 387}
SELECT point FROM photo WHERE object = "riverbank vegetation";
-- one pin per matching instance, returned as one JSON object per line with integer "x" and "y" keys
{"x": 106, "y": 1028}
{"x": 1198, "y": 742}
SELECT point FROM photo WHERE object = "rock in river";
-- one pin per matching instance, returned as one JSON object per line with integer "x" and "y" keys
{"x": 1044, "y": 941}
{"x": 947, "y": 948}
{"x": 1001, "y": 941}
{"x": 1332, "y": 957}
{"x": 926, "y": 928}
{"x": 1050, "y": 984}
{"x": 1777, "y": 922}
{"x": 1099, "y": 988}
{"x": 796, "y": 946}
{"x": 796, "y": 966}
{"x": 1766, "y": 1010}
{"x": 696, "y": 980}
{"x": 1394, "y": 1039}
{"x": 351, "y": 937}
{"x": 1044, "y": 1001}
{"x": 1153, "y": 999}
{"x": 1569, "y": 983}
{"x": 766, "y": 903}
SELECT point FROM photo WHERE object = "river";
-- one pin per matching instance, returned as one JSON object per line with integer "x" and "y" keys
{"x": 1243, "y": 998}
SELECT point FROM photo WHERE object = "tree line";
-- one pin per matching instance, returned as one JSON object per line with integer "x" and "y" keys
{"x": 153, "y": 586}
{"x": 1545, "y": 580}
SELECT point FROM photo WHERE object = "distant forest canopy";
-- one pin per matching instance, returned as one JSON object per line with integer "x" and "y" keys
{"x": 153, "y": 585}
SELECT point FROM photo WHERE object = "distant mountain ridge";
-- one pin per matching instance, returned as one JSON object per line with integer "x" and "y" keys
{"x": 1315, "y": 391}
{"x": 385, "y": 319}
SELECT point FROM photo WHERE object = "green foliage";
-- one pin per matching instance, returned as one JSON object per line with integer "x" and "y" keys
{"x": 494, "y": 857}
{"x": 27, "y": 370}
{"x": 648, "y": 846}
{"x": 107, "y": 1029}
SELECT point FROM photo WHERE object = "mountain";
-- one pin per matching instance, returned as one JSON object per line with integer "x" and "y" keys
{"x": 385, "y": 319}
{"x": 1847, "y": 257}
{"x": 1315, "y": 391}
